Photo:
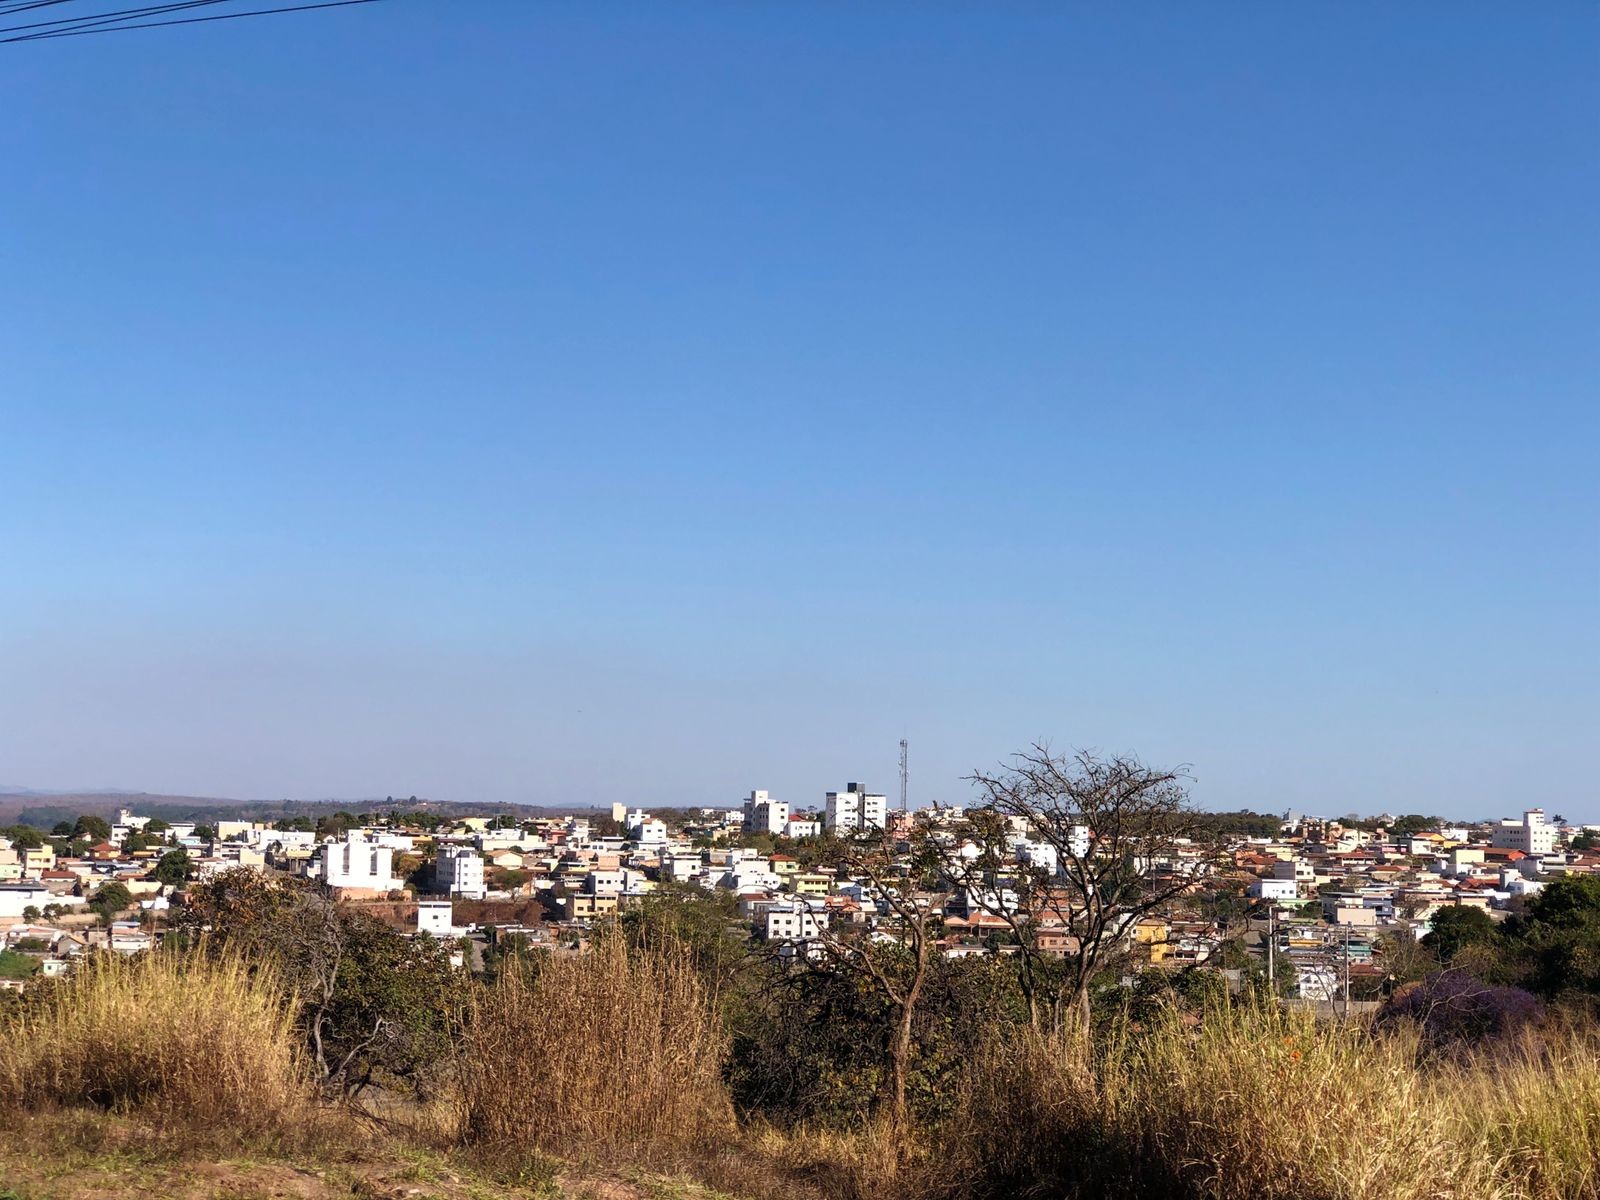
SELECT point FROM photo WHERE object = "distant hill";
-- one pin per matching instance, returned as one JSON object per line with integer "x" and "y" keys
{"x": 44, "y": 809}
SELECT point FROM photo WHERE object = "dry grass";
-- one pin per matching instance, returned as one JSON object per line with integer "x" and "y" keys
{"x": 1535, "y": 1114}
{"x": 616, "y": 1056}
{"x": 193, "y": 1041}
{"x": 866, "y": 1164}
{"x": 615, "y": 1049}
{"x": 1256, "y": 1102}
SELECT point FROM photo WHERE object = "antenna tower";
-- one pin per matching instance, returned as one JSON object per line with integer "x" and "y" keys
{"x": 904, "y": 750}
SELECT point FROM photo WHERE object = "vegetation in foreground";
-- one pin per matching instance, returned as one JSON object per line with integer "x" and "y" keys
{"x": 619, "y": 1058}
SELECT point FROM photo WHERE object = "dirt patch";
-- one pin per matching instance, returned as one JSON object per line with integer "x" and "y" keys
{"x": 90, "y": 1156}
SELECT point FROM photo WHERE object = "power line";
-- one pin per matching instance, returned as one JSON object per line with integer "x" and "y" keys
{"x": 92, "y": 19}
{"x": 90, "y": 25}
{"x": 9, "y": 9}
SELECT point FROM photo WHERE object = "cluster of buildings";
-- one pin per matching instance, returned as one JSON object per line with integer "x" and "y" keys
{"x": 1327, "y": 891}
{"x": 1333, "y": 891}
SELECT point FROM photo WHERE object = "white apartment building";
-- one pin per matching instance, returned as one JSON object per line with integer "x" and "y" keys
{"x": 645, "y": 829}
{"x": 855, "y": 809}
{"x": 359, "y": 864}
{"x": 1532, "y": 835}
{"x": 763, "y": 814}
{"x": 795, "y": 923}
{"x": 1078, "y": 841}
{"x": 799, "y": 829}
{"x": 1041, "y": 856}
{"x": 750, "y": 874}
{"x": 680, "y": 867}
{"x": 458, "y": 871}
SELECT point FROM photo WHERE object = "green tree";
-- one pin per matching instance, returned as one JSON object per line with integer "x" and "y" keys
{"x": 706, "y": 924}
{"x": 1412, "y": 824}
{"x": 92, "y": 827}
{"x": 110, "y": 899}
{"x": 1456, "y": 927}
{"x": 23, "y": 837}
{"x": 174, "y": 868}
{"x": 31, "y": 913}
{"x": 336, "y": 825}
{"x": 16, "y": 966}
{"x": 1558, "y": 937}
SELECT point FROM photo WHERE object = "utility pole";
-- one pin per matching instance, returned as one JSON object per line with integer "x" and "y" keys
{"x": 1347, "y": 972}
{"x": 905, "y": 747}
{"x": 1272, "y": 946}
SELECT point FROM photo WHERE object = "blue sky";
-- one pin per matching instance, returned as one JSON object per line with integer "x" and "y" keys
{"x": 552, "y": 402}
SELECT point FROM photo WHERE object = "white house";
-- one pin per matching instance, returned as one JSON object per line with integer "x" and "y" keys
{"x": 435, "y": 917}
{"x": 14, "y": 897}
{"x": 288, "y": 839}
{"x": 1274, "y": 888}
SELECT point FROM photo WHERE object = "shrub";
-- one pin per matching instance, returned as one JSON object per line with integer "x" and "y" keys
{"x": 1453, "y": 1008}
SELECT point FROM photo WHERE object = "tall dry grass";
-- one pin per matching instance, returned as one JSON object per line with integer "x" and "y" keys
{"x": 1534, "y": 1111}
{"x": 203, "y": 1042}
{"x": 1254, "y": 1102}
{"x": 617, "y": 1049}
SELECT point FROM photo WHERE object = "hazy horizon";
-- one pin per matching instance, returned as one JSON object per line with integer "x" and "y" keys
{"x": 548, "y": 404}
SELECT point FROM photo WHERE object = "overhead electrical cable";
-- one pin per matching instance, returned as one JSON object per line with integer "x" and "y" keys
{"x": 117, "y": 23}
{"x": 66, "y": 24}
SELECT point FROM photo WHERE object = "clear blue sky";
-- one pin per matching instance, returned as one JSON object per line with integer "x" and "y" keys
{"x": 555, "y": 402}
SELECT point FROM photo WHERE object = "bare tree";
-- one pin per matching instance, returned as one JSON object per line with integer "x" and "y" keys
{"x": 898, "y": 965}
{"x": 1113, "y": 841}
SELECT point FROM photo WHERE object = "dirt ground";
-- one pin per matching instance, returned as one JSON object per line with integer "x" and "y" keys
{"x": 87, "y": 1157}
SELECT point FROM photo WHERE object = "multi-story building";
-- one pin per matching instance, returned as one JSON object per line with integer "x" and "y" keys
{"x": 1532, "y": 835}
{"x": 795, "y": 923}
{"x": 855, "y": 809}
{"x": 359, "y": 865}
{"x": 645, "y": 829}
{"x": 763, "y": 814}
{"x": 458, "y": 871}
